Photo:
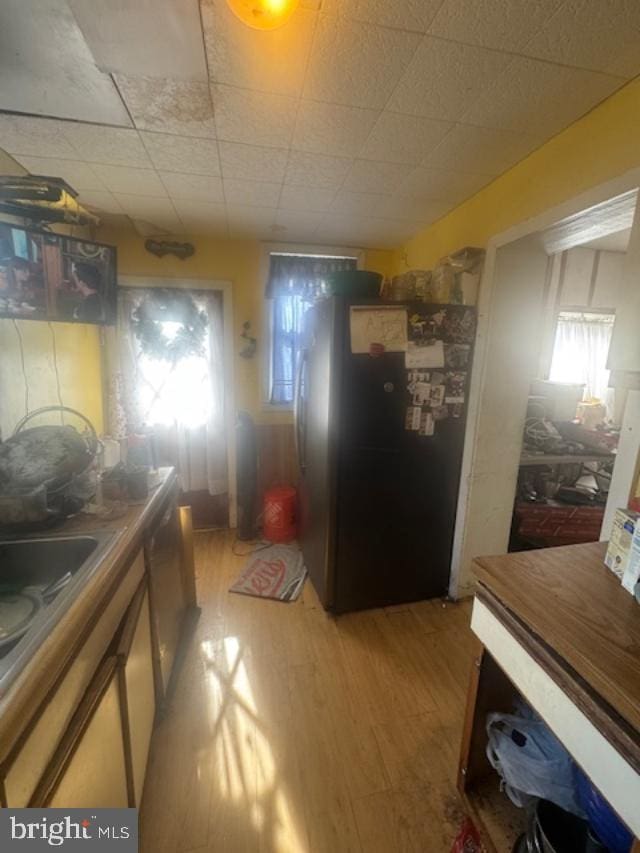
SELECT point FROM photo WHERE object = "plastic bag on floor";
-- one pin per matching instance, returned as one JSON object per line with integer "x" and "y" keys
{"x": 530, "y": 760}
{"x": 467, "y": 840}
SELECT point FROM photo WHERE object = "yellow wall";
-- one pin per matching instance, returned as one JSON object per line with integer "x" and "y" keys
{"x": 78, "y": 361}
{"x": 74, "y": 348}
{"x": 238, "y": 261}
{"x": 600, "y": 146}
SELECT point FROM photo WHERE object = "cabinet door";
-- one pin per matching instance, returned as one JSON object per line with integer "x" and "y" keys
{"x": 37, "y": 749}
{"x": 89, "y": 769}
{"x": 168, "y": 604}
{"x": 137, "y": 691}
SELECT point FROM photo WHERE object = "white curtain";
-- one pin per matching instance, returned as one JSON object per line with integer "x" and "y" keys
{"x": 580, "y": 352}
{"x": 182, "y": 404}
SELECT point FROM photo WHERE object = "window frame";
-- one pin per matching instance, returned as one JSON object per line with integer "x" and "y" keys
{"x": 266, "y": 350}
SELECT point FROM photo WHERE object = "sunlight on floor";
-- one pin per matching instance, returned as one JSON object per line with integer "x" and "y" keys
{"x": 246, "y": 771}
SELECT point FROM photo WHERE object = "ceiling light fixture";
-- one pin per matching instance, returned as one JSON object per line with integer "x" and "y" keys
{"x": 263, "y": 14}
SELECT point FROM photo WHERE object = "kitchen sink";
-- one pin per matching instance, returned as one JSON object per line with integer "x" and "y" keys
{"x": 59, "y": 564}
{"x": 40, "y": 562}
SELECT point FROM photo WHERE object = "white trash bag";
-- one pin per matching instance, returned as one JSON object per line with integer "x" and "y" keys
{"x": 530, "y": 760}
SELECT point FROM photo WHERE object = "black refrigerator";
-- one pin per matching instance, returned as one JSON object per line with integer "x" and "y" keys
{"x": 379, "y": 428}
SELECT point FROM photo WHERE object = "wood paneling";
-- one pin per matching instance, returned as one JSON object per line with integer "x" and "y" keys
{"x": 568, "y": 597}
{"x": 277, "y": 462}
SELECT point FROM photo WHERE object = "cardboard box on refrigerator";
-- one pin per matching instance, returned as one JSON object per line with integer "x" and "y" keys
{"x": 625, "y": 524}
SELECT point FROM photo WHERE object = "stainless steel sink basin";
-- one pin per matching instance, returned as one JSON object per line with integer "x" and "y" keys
{"x": 40, "y": 562}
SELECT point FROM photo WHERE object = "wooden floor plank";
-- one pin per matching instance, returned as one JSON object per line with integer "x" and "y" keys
{"x": 293, "y": 731}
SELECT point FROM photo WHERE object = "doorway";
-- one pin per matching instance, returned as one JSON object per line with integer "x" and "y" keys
{"x": 518, "y": 319}
{"x": 187, "y": 403}
{"x": 573, "y": 417}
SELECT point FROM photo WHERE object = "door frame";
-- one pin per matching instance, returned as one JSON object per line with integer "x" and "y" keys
{"x": 225, "y": 287}
{"x": 460, "y": 581}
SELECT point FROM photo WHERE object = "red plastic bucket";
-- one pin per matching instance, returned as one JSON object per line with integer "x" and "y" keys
{"x": 279, "y": 520}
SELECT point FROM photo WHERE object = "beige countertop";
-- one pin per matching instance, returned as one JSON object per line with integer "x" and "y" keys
{"x": 49, "y": 662}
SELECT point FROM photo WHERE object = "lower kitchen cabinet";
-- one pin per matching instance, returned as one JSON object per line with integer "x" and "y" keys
{"x": 26, "y": 767}
{"x": 137, "y": 693}
{"x": 87, "y": 743}
{"x": 89, "y": 768}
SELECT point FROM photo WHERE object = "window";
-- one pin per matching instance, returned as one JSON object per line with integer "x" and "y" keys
{"x": 287, "y": 314}
{"x": 295, "y": 283}
{"x": 174, "y": 392}
{"x": 580, "y": 351}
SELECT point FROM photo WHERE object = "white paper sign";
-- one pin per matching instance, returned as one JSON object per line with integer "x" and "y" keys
{"x": 386, "y": 326}
{"x": 431, "y": 355}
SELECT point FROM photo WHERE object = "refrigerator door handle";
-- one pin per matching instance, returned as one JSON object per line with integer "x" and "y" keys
{"x": 300, "y": 416}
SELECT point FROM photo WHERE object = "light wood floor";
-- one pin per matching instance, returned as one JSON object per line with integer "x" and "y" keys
{"x": 294, "y": 731}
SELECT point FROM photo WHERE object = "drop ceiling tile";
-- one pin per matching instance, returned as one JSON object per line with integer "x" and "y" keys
{"x": 182, "y": 153}
{"x": 445, "y": 78}
{"x": 376, "y": 204}
{"x": 403, "y": 138}
{"x": 357, "y": 64}
{"x": 306, "y": 198}
{"x": 257, "y": 118}
{"x": 403, "y": 14}
{"x": 316, "y": 170}
{"x": 34, "y": 137}
{"x": 124, "y": 179}
{"x": 247, "y": 221}
{"x": 386, "y": 233}
{"x": 366, "y": 232}
{"x": 483, "y": 150}
{"x": 145, "y": 37}
{"x": 158, "y": 212}
{"x": 80, "y": 176}
{"x": 252, "y": 162}
{"x": 100, "y": 201}
{"x": 441, "y": 185}
{"x": 254, "y": 193}
{"x": 197, "y": 187}
{"x": 538, "y": 97}
{"x": 269, "y": 61}
{"x": 197, "y": 216}
{"x": 414, "y": 209}
{"x": 369, "y": 176}
{"x": 332, "y": 129}
{"x": 144, "y": 205}
{"x": 114, "y": 146}
{"x": 501, "y": 24}
{"x": 47, "y": 68}
{"x": 298, "y": 225}
{"x": 602, "y": 36}
{"x": 168, "y": 106}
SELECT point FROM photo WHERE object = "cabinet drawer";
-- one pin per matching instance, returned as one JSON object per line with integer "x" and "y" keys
{"x": 36, "y": 751}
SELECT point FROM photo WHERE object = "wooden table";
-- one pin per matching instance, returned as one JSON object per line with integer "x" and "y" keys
{"x": 555, "y": 627}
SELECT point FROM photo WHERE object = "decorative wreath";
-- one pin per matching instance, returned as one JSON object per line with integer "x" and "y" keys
{"x": 168, "y": 306}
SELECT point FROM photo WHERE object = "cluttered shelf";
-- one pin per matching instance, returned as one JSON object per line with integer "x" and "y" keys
{"x": 529, "y": 458}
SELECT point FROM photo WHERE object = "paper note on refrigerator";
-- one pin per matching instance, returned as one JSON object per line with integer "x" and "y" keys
{"x": 425, "y": 355}
{"x": 386, "y": 326}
